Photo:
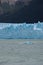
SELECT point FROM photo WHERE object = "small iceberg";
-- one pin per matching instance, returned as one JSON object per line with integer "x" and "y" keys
{"x": 28, "y": 42}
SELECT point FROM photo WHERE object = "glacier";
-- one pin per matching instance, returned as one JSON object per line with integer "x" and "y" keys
{"x": 21, "y": 31}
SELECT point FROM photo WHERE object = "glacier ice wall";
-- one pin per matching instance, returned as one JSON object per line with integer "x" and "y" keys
{"x": 21, "y": 31}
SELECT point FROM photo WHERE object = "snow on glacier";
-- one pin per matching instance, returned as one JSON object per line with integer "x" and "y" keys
{"x": 21, "y": 31}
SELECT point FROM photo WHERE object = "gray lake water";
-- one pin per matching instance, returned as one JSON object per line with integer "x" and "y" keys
{"x": 15, "y": 52}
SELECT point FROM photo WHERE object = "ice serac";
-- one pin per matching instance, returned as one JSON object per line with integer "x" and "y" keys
{"x": 21, "y": 31}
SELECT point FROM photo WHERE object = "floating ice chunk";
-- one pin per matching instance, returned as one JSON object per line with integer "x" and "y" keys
{"x": 28, "y": 42}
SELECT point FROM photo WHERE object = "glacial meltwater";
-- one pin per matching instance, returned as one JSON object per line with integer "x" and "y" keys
{"x": 15, "y": 52}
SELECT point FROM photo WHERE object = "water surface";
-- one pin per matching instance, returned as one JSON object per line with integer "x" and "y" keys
{"x": 15, "y": 52}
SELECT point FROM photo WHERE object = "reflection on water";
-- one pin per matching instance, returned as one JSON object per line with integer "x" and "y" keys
{"x": 15, "y": 52}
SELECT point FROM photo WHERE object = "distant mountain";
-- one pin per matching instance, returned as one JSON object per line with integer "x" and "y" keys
{"x": 13, "y": 1}
{"x": 21, "y": 12}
